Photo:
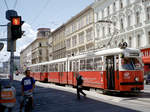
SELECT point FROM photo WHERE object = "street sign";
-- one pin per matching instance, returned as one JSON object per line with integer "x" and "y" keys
{"x": 10, "y": 13}
{"x": 1, "y": 46}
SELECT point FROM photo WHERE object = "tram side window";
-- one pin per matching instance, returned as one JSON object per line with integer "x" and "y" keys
{"x": 36, "y": 68}
{"x": 40, "y": 68}
{"x": 49, "y": 68}
{"x": 56, "y": 68}
{"x": 64, "y": 66}
{"x": 74, "y": 66}
{"x": 82, "y": 65}
{"x": 89, "y": 64}
{"x": 70, "y": 66}
{"x": 46, "y": 68}
{"x": 43, "y": 68}
{"x": 98, "y": 63}
{"x": 53, "y": 67}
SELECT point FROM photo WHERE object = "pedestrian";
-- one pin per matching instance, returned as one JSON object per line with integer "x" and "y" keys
{"x": 28, "y": 85}
{"x": 79, "y": 86}
{"x": 7, "y": 95}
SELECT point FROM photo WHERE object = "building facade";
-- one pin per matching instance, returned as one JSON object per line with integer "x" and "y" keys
{"x": 25, "y": 57}
{"x": 50, "y": 48}
{"x": 37, "y": 51}
{"x": 58, "y": 43}
{"x": 79, "y": 32}
{"x": 40, "y": 46}
{"x": 130, "y": 23}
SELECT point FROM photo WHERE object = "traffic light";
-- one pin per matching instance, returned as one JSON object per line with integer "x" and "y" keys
{"x": 10, "y": 47}
{"x": 16, "y": 31}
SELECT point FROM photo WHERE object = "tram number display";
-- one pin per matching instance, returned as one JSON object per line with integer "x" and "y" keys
{"x": 134, "y": 54}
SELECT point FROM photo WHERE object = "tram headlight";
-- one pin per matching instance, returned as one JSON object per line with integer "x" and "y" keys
{"x": 136, "y": 79}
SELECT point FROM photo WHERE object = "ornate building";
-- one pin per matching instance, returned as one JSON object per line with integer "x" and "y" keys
{"x": 130, "y": 22}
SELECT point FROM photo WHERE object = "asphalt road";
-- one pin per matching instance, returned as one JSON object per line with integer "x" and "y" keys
{"x": 52, "y": 98}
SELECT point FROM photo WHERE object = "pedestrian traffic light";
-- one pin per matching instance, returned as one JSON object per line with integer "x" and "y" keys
{"x": 16, "y": 31}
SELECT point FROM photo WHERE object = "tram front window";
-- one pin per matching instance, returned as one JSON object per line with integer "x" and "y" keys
{"x": 131, "y": 64}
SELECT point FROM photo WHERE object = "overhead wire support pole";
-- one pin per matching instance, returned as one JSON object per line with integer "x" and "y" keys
{"x": 12, "y": 62}
{"x": 107, "y": 21}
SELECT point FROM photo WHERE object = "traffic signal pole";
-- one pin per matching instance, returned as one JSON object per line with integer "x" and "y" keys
{"x": 11, "y": 72}
{"x": 14, "y": 32}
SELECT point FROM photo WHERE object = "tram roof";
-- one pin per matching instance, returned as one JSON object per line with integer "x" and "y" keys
{"x": 50, "y": 62}
{"x": 117, "y": 51}
{"x": 106, "y": 52}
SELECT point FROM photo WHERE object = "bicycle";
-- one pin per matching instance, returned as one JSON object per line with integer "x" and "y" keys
{"x": 27, "y": 103}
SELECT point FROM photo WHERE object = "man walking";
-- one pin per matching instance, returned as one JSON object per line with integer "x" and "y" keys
{"x": 79, "y": 86}
{"x": 28, "y": 85}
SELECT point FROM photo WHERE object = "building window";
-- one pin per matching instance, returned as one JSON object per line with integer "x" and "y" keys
{"x": 102, "y": 13}
{"x": 121, "y": 23}
{"x": 138, "y": 40}
{"x": 114, "y": 23}
{"x": 121, "y": 4}
{"x": 130, "y": 41}
{"x": 89, "y": 34}
{"x": 148, "y": 13}
{"x": 103, "y": 31}
{"x": 137, "y": 17}
{"x": 129, "y": 20}
{"x": 108, "y": 12}
{"x": 68, "y": 43}
{"x": 90, "y": 18}
{"x": 128, "y": 2}
{"x": 81, "y": 38}
{"x": 40, "y": 44}
{"x": 79, "y": 24}
{"x": 109, "y": 30}
{"x": 87, "y": 19}
{"x": 40, "y": 52}
{"x": 74, "y": 41}
{"x": 115, "y": 43}
{"x": 114, "y": 6}
{"x": 149, "y": 37}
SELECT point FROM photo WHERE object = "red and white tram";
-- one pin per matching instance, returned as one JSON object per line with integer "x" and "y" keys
{"x": 116, "y": 69}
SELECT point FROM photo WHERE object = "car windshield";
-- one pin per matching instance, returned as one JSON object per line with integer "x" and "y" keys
{"x": 131, "y": 64}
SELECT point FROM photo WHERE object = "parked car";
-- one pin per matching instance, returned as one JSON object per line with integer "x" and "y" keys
{"x": 148, "y": 79}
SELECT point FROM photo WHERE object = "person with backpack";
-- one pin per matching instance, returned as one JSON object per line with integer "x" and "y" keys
{"x": 79, "y": 86}
{"x": 28, "y": 85}
{"x": 7, "y": 95}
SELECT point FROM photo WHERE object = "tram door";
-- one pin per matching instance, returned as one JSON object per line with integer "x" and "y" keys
{"x": 110, "y": 72}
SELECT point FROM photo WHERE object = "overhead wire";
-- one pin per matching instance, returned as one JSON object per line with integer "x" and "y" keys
{"x": 15, "y": 4}
{"x": 39, "y": 14}
{"x": 6, "y": 4}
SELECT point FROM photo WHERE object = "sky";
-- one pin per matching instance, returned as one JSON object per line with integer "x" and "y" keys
{"x": 37, "y": 14}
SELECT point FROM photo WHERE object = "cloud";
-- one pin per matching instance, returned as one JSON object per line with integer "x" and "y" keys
{"x": 28, "y": 37}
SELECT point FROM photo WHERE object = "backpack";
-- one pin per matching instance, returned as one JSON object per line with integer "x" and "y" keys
{"x": 79, "y": 80}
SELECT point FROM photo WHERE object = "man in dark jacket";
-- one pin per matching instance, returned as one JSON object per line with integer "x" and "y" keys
{"x": 79, "y": 86}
